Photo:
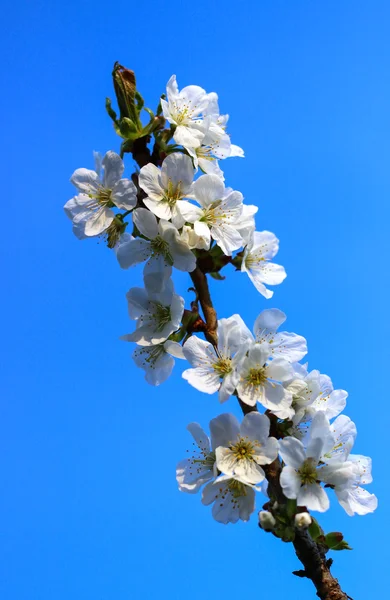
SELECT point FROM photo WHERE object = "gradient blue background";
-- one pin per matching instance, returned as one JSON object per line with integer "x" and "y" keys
{"x": 88, "y": 505}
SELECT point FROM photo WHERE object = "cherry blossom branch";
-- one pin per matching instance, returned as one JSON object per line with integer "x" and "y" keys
{"x": 311, "y": 554}
{"x": 195, "y": 226}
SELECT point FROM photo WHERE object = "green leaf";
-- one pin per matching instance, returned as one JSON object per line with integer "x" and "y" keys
{"x": 333, "y": 539}
{"x": 314, "y": 529}
{"x": 342, "y": 546}
{"x": 125, "y": 91}
{"x": 111, "y": 112}
{"x": 217, "y": 276}
{"x": 128, "y": 129}
{"x": 140, "y": 101}
{"x": 149, "y": 111}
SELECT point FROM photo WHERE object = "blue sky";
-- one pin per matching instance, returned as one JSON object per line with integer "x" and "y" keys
{"x": 89, "y": 506}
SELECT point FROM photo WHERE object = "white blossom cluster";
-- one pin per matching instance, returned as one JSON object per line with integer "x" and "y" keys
{"x": 177, "y": 213}
{"x": 262, "y": 368}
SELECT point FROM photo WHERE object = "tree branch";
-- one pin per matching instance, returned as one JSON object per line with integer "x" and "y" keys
{"x": 311, "y": 554}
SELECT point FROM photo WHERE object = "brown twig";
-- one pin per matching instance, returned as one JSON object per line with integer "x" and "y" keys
{"x": 311, "y": 555}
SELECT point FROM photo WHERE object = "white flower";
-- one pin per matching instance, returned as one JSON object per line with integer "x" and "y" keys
{"x": 306, "y": 467}
{"x": 245, "y": 224}
{"x": 304, "y": 389}
{"x": 91, "y": 211}
{"x": 256, "y": 262}
{"x": 232, "y": 499}
{"x": 185, "y": 109}
{"x": 283, "y": 344}
{"x": 200, "y": 467}
{"x": 158, "y": 315}
{"x": 352, "y": 497}
{"x": 157, "y": 361}
{"x": 220, "y": 209}
{"x": 216, "y": 142}
{"x": 302, "y": 520}
{"x": 163, "y": 249}
{"x": 344, "y": 435}
{"x": 214, "y": 372}
{"x": 332, "y": 402}
{"x": 167, "y": 187}
{"x": 260, "y": 381}
{"x": 248, "y": 449}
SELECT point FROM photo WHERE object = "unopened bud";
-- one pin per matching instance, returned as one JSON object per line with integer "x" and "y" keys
{"x": 302, "y": 520}
{"x": 266, "y": 520}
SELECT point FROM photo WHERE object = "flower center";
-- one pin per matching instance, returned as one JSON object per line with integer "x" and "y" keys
{"x": 102, "y": 196}
{"x": 236, "y": 488}
{"x": 150, "y": 355}
{"x": 160, "y": 246}
{"x": 162, "y": 315}
{"x": 256, "y": 377}
{"x": 209, "y": 215}
{"x": 244, "y": 449}
{"x": 223, "y": 366}
{"x": 308, "y": 472}
{"x": 173, "y": 193}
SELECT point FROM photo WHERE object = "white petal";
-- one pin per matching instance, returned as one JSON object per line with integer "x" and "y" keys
{"x": 174, "y": 349}
{"x": 124, "y": 194}
{"x": 292, "y": 452}
{"x": 178, "y": 168}
{"x": 223, "y": 429}
{"x": 314, "y": 497}
{"x": 99, "y": 221}
{"x": 162, "y": 210}
{"x": 227, "y": 237}
{"x": 200, "y": 436}
{"x": 269, "y": 319}
{"x": 203, "y": 379}
{"x": 207, "y": 189}
{"x": 290, "y": 482}
{"x": 280, "y": 370}
{"x": 86, "y": 181}
{"x": 146, "y": 223}
{"x": 138, "y": 302}
{"x": 187, "y": 136}
{"x": 132, "y": 252}
{"x": 113, "y": 169}
{"x": 255, "y": 426}
{"x": 150, "y": 181}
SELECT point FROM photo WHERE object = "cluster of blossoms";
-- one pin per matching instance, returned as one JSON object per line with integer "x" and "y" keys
{"x": 181, "y": 211}
{"x": 263, "y": 370}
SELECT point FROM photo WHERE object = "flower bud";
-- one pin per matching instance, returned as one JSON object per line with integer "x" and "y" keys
{"x": 266, "y": 520}
{"x": 302, "y": 520}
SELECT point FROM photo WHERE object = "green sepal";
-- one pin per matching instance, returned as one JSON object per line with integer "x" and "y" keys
{"x": 314, "y": 529}
{"x": 149, "y": 111}
{"x": 216, "y": 275}
{"x": 111, "y": 112}
{"x": 288, "y": 534}
{"x": 126, "y": 146}
{"x": 140, "y": 102}
{"x": 159, "y": 107}
{"x": 128, "y": 129}
{"x": 291, "y": 508}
